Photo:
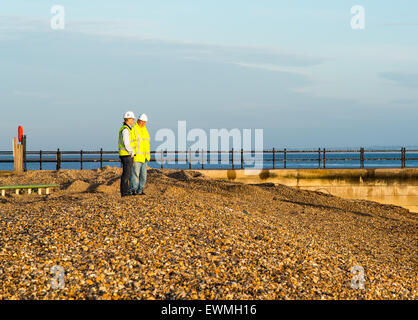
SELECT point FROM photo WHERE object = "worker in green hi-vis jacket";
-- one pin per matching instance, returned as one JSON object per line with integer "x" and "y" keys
{"x": 127, "y": 148}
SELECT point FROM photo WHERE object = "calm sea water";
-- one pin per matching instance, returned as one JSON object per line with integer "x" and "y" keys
{"x": 333, "y": 160}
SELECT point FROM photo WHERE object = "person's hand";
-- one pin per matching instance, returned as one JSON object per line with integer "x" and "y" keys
{"x": 132, "y": 155}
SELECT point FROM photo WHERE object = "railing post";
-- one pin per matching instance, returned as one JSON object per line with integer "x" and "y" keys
{"x": 81, "y": 159}
{"x": 202, "y": 158}
{"x": 284, "y": 158}
{"x": 190, "y": 158}
{"x": 324, "y": 157}
{"x": 402, "y": 157}
{"x": 58, "y": 159}
{"x": 274, "y": 159}
{"x": 242, "y": 158}
{"x": 319, "y": 158}
{"x": 232, "y": 158}
{"x": 101, "y": 158}
{"x": 40, "y": 159}
{"x": 362, "y": 158}
{"x": 24, "y": 153}
{"x": 161, "y": 159}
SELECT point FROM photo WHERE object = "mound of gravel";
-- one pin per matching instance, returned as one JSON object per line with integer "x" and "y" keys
{"x": 112, "y": 188}
{"x": 179, "y": 175}
{"x": 78, "y": 186}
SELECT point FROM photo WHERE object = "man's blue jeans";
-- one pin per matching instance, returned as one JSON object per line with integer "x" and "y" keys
{"x": 138, "y": 176}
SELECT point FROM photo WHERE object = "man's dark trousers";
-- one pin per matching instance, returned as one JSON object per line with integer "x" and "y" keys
{"x": 127, "y": 163}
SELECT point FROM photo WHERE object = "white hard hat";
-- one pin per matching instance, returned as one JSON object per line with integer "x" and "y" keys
{"x": 143, "y": 117}
{"x": 129, "y": 115}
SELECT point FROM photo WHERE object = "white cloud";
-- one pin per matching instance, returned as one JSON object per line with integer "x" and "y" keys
{"x": 401, "y": 78}
{"x": 135, "y": 30}
{"x": 275, "y": 68}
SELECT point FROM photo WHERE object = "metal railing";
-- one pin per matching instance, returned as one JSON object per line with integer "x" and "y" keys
{"x": 275, "y": 158}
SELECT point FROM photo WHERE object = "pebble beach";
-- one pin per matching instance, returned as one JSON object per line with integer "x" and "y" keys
{"x": 191, "y": 237}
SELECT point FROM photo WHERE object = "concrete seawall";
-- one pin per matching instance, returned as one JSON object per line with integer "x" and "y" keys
{"x": 388, "y": 186}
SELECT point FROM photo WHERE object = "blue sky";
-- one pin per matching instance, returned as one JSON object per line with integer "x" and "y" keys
{"x": 293, "y": 68}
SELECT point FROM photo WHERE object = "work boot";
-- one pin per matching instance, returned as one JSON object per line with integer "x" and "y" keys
{"x": 126, "y": 195}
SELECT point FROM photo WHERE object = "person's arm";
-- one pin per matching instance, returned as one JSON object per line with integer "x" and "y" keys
{"x": 127, "y": 142}
{"x": 137, "y": 134}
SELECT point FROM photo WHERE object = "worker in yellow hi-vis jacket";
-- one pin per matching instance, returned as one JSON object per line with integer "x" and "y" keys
{"x": 127, "y": 148}
{"x": 138, "y": 176}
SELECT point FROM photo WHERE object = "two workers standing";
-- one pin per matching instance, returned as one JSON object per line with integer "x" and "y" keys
{"x": 134, "y": 153}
